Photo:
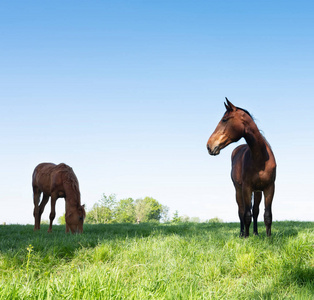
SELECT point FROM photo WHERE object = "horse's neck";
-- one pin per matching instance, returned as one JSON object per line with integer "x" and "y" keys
{"x": 256, "y": 142}
{"x": 72, "y": 193}
{"x": 73, "y": 197}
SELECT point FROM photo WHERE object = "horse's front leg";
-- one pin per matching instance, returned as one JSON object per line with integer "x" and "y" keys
{"x": 240, "y": 209}
{"x": 36, "y": 198}
{"x": 247, "y": 200}
{"x": 67, "y": 228}
{"x": 268, "y": 217}
{"x": 257, "y": 201}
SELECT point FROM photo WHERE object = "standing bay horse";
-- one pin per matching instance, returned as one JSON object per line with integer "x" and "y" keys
{"x": 253, "y": 165}
{"x": 58, "y": 181}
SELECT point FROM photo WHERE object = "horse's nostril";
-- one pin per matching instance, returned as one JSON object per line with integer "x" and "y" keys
{"x": 209, "y": 150}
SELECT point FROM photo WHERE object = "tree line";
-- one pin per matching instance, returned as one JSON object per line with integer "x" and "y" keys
{"x": 109, "y": 210}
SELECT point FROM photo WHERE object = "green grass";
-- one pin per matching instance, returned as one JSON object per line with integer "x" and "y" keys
{"x": 188, "y": 261}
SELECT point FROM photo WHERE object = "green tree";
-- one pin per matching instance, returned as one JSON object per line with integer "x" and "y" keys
{"x": 176, "y": 218}
{"x": 61, "y": 219}
{"x": 102, "y": 211}
{"x": 141, "y": 210}
{"x": 148, "y": 209}
{"x": 185, "y": 219}
{"x": 109, "y": 210}
{"x": 125, "y": 211}
{"x": 195, "y": 220}
{"x": 110, "y": 201}
{"x": 165, "y": 214}
{"x": 214, "y": 220}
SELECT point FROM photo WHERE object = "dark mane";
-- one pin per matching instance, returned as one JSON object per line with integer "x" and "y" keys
{"x": 69, "y": 176}
{"x": 254, "y": 121}
{"x": 71, "y": 179}
{"x": 246, "y": 112}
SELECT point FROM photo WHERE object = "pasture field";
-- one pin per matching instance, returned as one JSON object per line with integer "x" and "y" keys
{"x": 157, "y": 261}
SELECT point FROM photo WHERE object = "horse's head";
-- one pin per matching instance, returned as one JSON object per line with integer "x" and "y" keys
{"x": 230, "y": 129}
{"x": 74, "y": 219}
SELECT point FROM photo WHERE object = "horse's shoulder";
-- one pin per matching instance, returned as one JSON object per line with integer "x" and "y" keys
{"x": 44, "y": 165}
{"x": 239, "y": 150}
{"x": 67, "y": 173}
{"x": 62, "y": 166}
{"x": 44, "y": 168}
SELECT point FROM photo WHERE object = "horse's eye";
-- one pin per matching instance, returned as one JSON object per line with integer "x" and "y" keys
{"x": 224, "y": 120}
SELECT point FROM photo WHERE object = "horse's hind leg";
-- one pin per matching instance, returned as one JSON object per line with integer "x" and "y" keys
{"x": 257, "y": 201}
{"x": 53, "y": 211}
{"x": 268, "y": 217}
{"x": 42, "y": 205}
{"x": 36, "y": 196}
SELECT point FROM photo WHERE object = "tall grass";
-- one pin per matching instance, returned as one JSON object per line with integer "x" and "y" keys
{"x": 145, "y": 261}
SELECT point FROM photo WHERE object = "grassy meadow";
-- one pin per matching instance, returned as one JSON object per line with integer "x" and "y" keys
{"x": 157, "y": 261}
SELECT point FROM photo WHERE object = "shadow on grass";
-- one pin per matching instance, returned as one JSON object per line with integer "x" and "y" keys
{"x": 14, "y": 239}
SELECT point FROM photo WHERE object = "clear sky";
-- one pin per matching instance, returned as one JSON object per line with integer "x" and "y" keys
{"x": 128, "y": 92}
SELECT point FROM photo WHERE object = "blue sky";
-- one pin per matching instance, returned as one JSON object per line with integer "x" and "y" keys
{"x": 128, "y": 93}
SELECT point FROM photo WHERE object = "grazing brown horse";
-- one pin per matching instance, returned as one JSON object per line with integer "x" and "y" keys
{"x": 58, "y": 181}
{"x": 253, "y": 165}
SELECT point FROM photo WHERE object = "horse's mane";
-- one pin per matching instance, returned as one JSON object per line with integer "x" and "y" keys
{"x": 261, "y": 131}
{"x": 245, "y": 112}
{"x": 262, "y": 134}
{"x": 69, "y": 176}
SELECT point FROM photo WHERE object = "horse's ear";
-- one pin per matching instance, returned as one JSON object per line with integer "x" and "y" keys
{"x": 229, "y": 106}
{"x": 226, "y": 106}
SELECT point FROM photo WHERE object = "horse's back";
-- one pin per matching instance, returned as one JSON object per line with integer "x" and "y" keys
{"x": 49, "y": 169}
{"x": 236, "y": 161}
{"x": 43, "y": 168}
{"x": 41, "y": 176}
{"x": 48, "y": 177}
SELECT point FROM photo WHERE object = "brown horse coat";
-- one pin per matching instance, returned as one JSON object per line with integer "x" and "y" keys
{"x": 58, "y": 181}
{"x": 253, "y": 165}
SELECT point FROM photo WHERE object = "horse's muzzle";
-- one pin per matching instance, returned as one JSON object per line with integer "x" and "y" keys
{"x": 213, "y": 152}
